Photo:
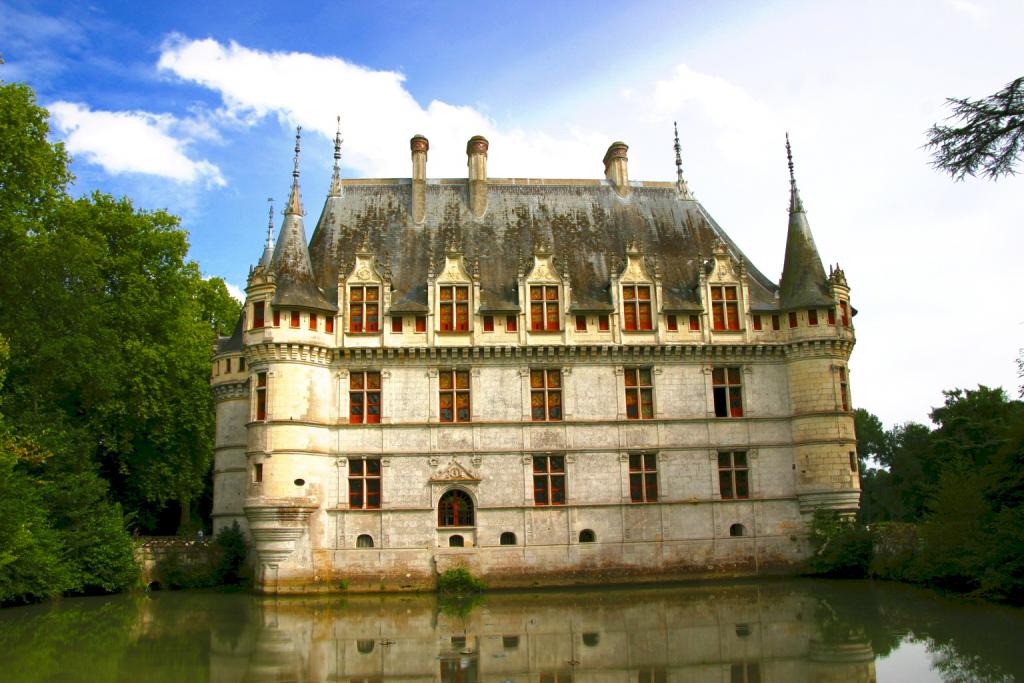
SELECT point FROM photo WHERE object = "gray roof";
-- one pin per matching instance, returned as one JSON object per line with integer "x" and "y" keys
{"x": 296, "y": 285}
{"x": 585, "y": 222}
{"x": 234, "y": 342}
{"x": 804, "y": 284}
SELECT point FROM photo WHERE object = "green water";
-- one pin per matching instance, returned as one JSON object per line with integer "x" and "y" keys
{"x": 786, "y": 631}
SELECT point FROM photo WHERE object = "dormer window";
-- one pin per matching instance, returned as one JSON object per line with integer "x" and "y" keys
{"x": 544, "y": 308}
{"x": 363, "y": 309}
{"x": 257, "y": 314}
{"x": 725, "y": 308}
{"x": 454, "y": 308}
{"x": 636, "y": 307}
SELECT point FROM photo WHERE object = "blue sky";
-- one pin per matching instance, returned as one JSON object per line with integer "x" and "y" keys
{"x": 191, "y": 108}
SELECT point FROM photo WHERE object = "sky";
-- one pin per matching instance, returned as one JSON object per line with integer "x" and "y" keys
{"x": 191, "y": 108}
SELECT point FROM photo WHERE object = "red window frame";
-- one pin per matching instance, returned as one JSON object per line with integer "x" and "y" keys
{"x": 396, "y": 324}
{"x": 733, "y": 475}
{"x": 296, "y": 319}
{"x": 364, "y": 483}
{"x": 329, "y": 324}
{"x": 694, "y": 323}
{"x": 757, "y": 322}
{"x": 831, "y": 316}
{"x": 421, "y": 323}
{"x": 727, "y": 389}
{"x": 277, "y": 318}
{"x": 455, "y": 509}
{"x": 845, "y": 310}
{"x": 581, "y": 323}
{"x": 261, "y": 396}
{"x": 314, "y": 321}
{"x": 511, "y": 323}
{"x": 725, "y": 308}
{"x": 257, "y": 314}
{"x": 844, "y": 390}
{"x": 548, "y": 480}
{"x": 672, "y": 323}
{"x": 792, "y": 319}
{"x": 812, "y": 316}
{"x": 639, "y": 393}
{"x": 604, "y": 323}
{"x": 546, "y": 395}
{"x": 776, "y": 323}
{"x": 636, "y": 307}
{"x": 544, "y": 315}
{"x": 454, "y": 395}
{"x": 488, "y": 323}
{"x": 643, "y": 477}
{"x": 364, "y": 308}
{"x": 364, "y": 399}
{"x": 454, "y": 308}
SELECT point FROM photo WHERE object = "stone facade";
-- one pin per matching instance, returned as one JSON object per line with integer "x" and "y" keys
{"x": 681, "y": 418}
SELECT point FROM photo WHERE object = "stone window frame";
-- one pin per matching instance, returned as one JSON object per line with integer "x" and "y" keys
{"x": 366, "y": 393}
{"x": 638, "y": 388}
{"x": 363, "y": 477}
{"x": 547, "y": 475}
{"x": 637, "y": 466}
{"x": 729, "y": 389}
{"x": 455, "y": 391}
{"x": 546, "y": 391}
{"x": 723, "y": 305}
{"x": 841, "y": 387}
{"x": 456, "y": 492}
{"x": 261, "y": 396}
{"x": 747, "y": 469}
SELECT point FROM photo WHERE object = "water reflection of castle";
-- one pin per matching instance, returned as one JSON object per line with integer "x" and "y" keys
{"x": 741, "y": 634}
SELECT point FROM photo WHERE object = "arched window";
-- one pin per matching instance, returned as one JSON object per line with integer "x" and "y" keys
{"x": 737, "y": 530}
{"x": 455, "y": 509}
{"x": 591, "y": 639}
{"x": 456, "y": 541}
{"x": 587, "y": 536}
{"x": 365, "y": 646}
{"x": 364, "y": 541}
{"x": 508, "y": 538}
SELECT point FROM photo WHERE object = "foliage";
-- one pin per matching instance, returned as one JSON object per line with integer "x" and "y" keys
{"x": 988, "y": 138}
{"x": 842, "y": 548}
{"x": 232, "y": 550}
{"x": 459, "y": 581}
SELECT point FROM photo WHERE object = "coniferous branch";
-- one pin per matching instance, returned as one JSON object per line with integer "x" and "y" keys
{"x": 989, "y": 139}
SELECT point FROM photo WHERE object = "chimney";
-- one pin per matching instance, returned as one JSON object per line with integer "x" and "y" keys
{"x": 476, "y": 150}
{"x": 419, "y": 146}
{"x": 616, "y": 167}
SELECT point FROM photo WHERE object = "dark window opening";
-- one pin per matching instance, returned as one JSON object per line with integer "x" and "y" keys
{"x": 364, "y": 647}
{"x": 511, "y": 323}
{"x": 545, "y": 395}
{"x": 792, "y": 319}
{"x": 737, "y": 530}
{"x": 727, "y": 390}
{"x": 364, "y": 398}
{"x": 643, "y": 477}
{"x": 364, "y": 541}
{"x": 636, "y": 307}
{"x": 581, "y": 323}
{"x": 591, "y": 639}
{"x": 510, "y": 642}
{"x": 257, "y": 314}
{"x": 454, "y": 311}
{"x": 508, "y": 538}
{"x": 364, "y": 483}
{"x": 776, "y": 325}
{"x": 733, "y": 475}
{"x": 757, "y": 322}
{"x": 396, "y": 324}
{"x": 455, "y": 509}
{"x": 456, "y": 541}
{"x": 453, "y": 386}
{"x": 261, "y": 396}
{"x": 257, "y": 473}
{"x": 603, "y": 323}
{"x": 363, "y": 309}
{"x": 639, "y": 394}
{"x": 421, "y": 323}
{"x": 488, "y": 323}
{"x": 588, "y": 536}
{"x": 812, "y": 316}
{"x": 549, "y": 480}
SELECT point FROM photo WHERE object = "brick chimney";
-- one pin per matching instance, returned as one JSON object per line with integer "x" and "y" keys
{"x": 476, "y": 151}
{"x": 616, "y": 167}
{"x": 419, "y": 146}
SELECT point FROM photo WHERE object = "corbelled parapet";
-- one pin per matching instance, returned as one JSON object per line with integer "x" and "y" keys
{"x": 616, "y": 167}
{"x": 419, "y": 146}
{"x": 476, "y": 151}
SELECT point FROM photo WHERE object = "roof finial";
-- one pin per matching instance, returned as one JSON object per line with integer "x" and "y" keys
{"x": 294, "y": 201}
{"x": 794, "y": 195}
{"x": 336, "y": 189}
{"x": 268, "y": 248}
{"x": 681, "y": 188}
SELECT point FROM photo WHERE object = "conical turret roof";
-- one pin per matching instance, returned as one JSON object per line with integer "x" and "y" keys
{"x": 804, "y": 284}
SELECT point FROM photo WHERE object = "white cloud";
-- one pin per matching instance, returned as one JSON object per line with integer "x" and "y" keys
{"x": 135, "y": 142}
{"x": 236, "y": 292}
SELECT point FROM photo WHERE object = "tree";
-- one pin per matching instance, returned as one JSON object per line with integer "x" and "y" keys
{"x": 988, "y": 139}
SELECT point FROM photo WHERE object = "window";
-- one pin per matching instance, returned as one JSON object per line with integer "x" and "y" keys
{"x": 227, "y": 365}
{"x": 588, "y": 536}
{"x": 639, "y": 394}
{"x": 508, "y": 538}
{"x": 812, "y": 316}
{"x": 488, "y": 323}
{"x": 853, "y": 461}
{"x": 421, "y": 323}
{"x": 636, "y": 307}
{"x": 581, "y": 323}
{"x": 329, "y": 324}
{"x": 364, "y": 647}
{"x": 844, "y": 389}
{"x": 792, "y": 318}
{"x": 737, "y": 530}
{"x": 396, "y": 324}
{"x": 510, "y": 642}
{"x": 456, "y": 541}
{"x": 545, "y": 395}
{"x": 757, "y": 322}
{"x": 603, "y": 323}
{"x": 549, "y": 480}
{"x": 651, "y": 676}
{"x": 643, "y": 477}
{"x": 672, "y": 323}
{"x": 728, "y": 392}
{"x": 775, "y": 323}
{"x": 363, "y": 309}
{"x": 511, "y": 323}
{"x": 591, "y": 639}
{"x": 544, "y": 307}
{"x": 454, "y": 395}
{"x": 454, "y": 308}
{"x": 364, "y": 541}
{"x": 257, "y": 314}
{"x": 314, "y": 319}
{"x": 743, "y": 630}
{"x": 695, "y": 323}
{"x": 257, "y": 473}
{"x": 261, "y": 396}
{"x": 747, "y": 672}
{"x": 845, "y": 313}
{"x": 364, "y": 397}
{"x": 295, "y": 321}
{"x": 241, "y": 364}
{"x": 725, "y": 309}
{"x": 364, "y": 483}
{"x": 831, "y": 316}
{"x": 455, "y": 509}
{"x": 733, "y": 474}
{"x": 277, "y": 318}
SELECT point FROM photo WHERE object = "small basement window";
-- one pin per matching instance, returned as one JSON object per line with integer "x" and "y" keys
{"x": 588, "y": 536}
{"x": 737, "y": 530}
{"x": 299, "y": 482}
{"x": 456, "y": 541}
{"x": 508, "y": 538}
{"x": 364, "y": 541}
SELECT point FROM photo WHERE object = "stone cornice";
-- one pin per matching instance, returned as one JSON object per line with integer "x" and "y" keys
{"x": 228, "y": 391}
{"x": 289, "y": 352}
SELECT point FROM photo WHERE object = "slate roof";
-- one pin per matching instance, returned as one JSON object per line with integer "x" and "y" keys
{"x": 804, "y": 284}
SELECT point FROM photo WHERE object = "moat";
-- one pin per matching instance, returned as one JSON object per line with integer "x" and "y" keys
{"x": 750, "y": 632}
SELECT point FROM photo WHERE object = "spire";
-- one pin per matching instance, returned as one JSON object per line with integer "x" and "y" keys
{"x": 268, "y": 248}
{"x": 804, "y": 284}
{"x": 681, "y": 188}
{"x": 336, "y": 189}
{"x": 294, "y": 200}
{"x": 794, "y": 194}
